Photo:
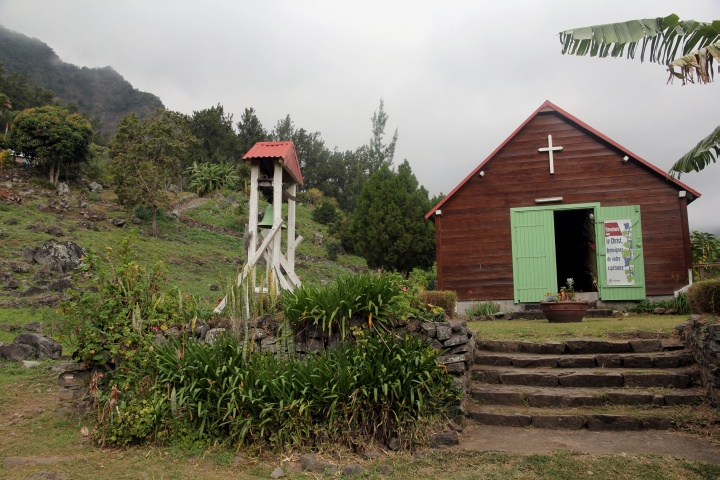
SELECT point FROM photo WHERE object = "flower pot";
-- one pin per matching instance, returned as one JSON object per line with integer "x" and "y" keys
{"x": 564, "y": 312}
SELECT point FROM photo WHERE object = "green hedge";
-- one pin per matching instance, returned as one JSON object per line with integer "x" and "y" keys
{"x": 704, "y": 297}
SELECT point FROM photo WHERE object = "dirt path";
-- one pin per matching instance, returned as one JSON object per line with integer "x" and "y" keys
{"x": 540, "y": 441}
{"x": 188, "y": 203}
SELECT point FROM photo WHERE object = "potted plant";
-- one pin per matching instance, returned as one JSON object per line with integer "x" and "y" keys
{"x": 562, "y": 306}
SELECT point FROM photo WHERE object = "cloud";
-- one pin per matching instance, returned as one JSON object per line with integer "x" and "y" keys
{"x": 457, "y": 77}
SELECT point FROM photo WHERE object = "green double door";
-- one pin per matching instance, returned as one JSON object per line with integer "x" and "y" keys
{"x": 535, "y": 261}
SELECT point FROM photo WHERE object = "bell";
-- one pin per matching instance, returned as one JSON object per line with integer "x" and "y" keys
{"x": 267, "y": 219}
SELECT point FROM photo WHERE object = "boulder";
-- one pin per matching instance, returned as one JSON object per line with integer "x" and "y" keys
{"x": 213, "y": 334}
{"x": 44, "y": 346}
{"x": 444, "y": 439}
{"x": 62, "y": 189}
{"x": 95, "y": 187}
{"x": 15, "y": 352}
{"x": 310, "y": 463}
{"x": 59, "y": 256}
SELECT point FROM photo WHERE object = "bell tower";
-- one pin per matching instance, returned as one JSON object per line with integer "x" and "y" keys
{"x": 274, "y": 174}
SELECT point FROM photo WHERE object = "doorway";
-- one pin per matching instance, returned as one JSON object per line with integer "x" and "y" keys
{"x": 575, "y": 252}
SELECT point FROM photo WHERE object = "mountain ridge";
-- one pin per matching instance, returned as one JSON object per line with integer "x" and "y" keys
{"x": 101, "y": 93}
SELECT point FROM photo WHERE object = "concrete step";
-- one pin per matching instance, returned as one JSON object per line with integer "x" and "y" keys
{"x": 573, "y": 420}
{"x": 669, "y": 359}
{"x": 683, "y": 377}
{"x": 554, "y": 397}
{"x": 580, "y": 346}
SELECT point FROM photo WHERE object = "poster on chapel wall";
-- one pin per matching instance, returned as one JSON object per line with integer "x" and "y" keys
{"x": 619, "y": 258}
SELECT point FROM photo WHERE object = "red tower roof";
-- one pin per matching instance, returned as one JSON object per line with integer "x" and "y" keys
{"x": 284, "y": 151}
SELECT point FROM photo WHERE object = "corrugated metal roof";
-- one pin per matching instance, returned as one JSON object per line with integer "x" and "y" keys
{"x": 548, "y": 106}
{"x": 281, "y": 150}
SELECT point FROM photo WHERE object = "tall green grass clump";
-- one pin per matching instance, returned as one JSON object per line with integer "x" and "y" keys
{"x": 373, "y": 299}
{"x": 483, "y": 309}
{"x": 379, "y": 387}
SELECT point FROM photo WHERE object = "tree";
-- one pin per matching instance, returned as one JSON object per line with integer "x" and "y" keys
{"x": 688, "y": 48}
{"x": 218, "y": 141}
{"x": 378, "y": 152}
{"x": 388, "y": 227}
{"x": 147, "y": 156}
{"x": 52, "y": 136}
{"x": 5, "y": 111}
{"x": 251, "y": 131}
{"x": 23, "y": 94}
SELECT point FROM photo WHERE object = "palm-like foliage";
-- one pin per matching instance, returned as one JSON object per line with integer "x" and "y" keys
{"x": 688, "y": 48}
{"x": 5, "y": 101}
{"x": 703, "y": 154}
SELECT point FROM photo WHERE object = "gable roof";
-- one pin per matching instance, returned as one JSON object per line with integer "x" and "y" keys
{"x": 548, "y": 106}
{"x": 284, "y": 151}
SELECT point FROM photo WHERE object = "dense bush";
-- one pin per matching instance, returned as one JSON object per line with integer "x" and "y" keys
{"x": 125, "y": 305}
{"x": 143, "y": 212}
{"x": 325, "y": 213}
{"x": 378, "y": 388}
{"x": 440, "y": 298}
{"x": 704, "y": 297}
{"x": 334, "y": 249}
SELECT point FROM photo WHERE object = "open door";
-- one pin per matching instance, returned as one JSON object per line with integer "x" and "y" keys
{"x": 621, "y": 263}
{"x": 533, "y": 247}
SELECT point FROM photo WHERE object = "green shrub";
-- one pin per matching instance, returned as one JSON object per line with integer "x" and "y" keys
{"x": 483, "y": 309}
{"x": 207, "y": 177}
{"x": 135, "y": 421}
{"x": 704, "y": 297}
{"x": 377, "y": 388}
{"x": 117, "y": 319}
{"x": 440, "y": 298}
{"x": 325, "y": 213}
{"x": 368, "y": 298}
{"x": 333, "y": 248}
{"x": 679, "y": 304}
{"x": 143, "y": 212}
{"x": 427, "y": 279}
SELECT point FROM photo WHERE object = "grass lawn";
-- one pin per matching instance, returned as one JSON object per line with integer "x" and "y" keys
{"x": 590, "y": 327}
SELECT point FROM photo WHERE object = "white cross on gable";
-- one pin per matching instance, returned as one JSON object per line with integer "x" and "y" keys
{"x": 550, "y": 149}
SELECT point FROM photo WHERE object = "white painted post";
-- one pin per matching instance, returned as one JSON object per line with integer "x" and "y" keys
{"x": 291, "y": 245}
{"x": 277, "y": 215}
{"x": 253, "y": 212}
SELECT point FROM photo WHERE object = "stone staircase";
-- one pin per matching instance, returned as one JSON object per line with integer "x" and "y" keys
{"x": 582, "y": 383}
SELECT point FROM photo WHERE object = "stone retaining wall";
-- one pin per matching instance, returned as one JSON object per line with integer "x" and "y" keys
{"x": 455, "y": 342}
{"x": 702, "y": 336}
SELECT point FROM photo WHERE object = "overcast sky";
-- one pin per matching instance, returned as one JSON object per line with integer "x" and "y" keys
{"x": 457, "y": 77}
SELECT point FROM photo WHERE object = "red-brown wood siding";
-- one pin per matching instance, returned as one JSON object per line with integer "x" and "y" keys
{"x": 474, "y": 248}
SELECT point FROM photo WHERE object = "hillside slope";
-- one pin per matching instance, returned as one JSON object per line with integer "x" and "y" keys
{"x": 100, "y": 92}
{"x": 202, "y": 249}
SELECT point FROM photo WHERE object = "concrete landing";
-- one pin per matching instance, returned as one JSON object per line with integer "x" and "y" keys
{"x": 538, "y": 441}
